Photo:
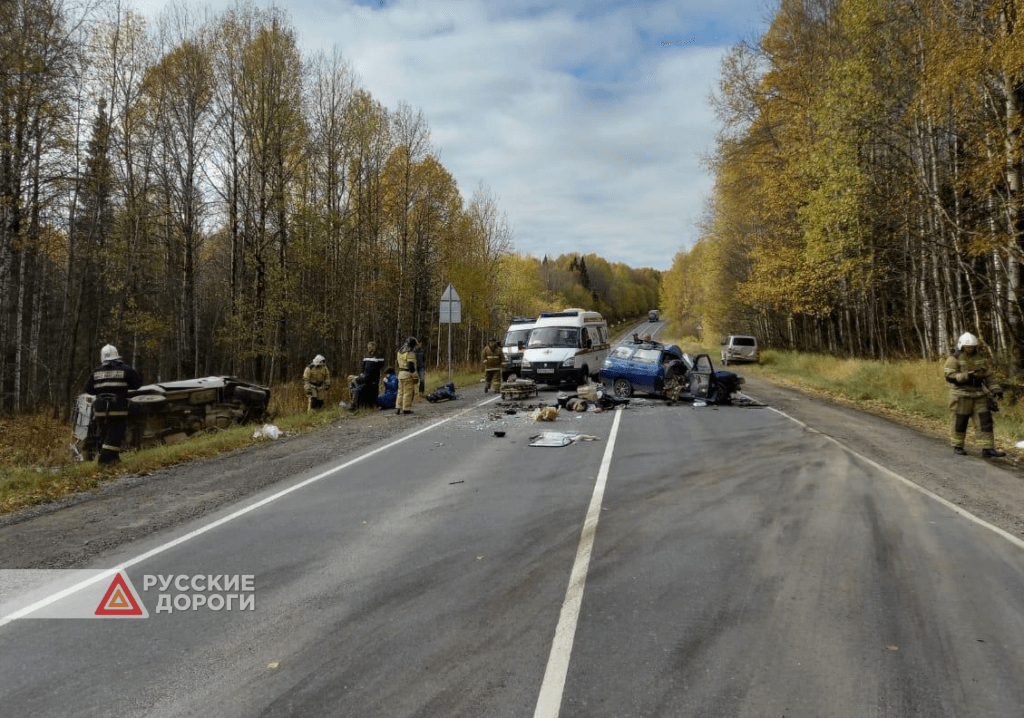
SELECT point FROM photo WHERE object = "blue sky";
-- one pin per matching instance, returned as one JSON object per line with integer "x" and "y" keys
{"x": 586, "y": 118}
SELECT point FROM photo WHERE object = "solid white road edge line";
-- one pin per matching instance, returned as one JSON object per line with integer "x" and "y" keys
{"x": 949, "y": 504}
{"x": 550, "y": 700}
{"x": 21, "y": 613}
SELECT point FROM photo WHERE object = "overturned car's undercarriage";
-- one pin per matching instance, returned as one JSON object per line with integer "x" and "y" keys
{"x": 169, "y": 412}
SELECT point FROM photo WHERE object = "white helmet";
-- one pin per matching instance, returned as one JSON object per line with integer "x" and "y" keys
{"x": 319, "y": 360}
{"x": 109, "y": 353}
{"x": 967, "y": 340}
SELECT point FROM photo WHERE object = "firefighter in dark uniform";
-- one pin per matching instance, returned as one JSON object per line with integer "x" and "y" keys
{"x": 492, "y": 366}
{"x": 110, "y": 382}
{"x": 972, "y": 394}
{"x": 407, "y": 376}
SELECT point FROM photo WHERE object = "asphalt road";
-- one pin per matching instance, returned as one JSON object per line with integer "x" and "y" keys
{"x": 732, "y": 563}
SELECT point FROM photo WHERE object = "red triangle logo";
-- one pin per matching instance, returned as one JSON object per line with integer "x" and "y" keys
{"x": 119, "y": 600}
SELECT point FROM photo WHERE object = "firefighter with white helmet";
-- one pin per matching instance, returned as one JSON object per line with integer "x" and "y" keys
{"x": 110, "y": 382}
{"x": 972, "y": 393}
{"x": 316, "y": 380}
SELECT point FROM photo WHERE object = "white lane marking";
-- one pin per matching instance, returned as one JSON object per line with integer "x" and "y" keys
{"x": 550, "y": 700}
{"x": 949, "y": 504}
{"x": 221, "y": 521}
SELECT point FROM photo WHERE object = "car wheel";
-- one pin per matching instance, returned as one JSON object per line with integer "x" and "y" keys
{"x": 717, "y": 395}
{"x": 725, "y": 361}
{"x": 622, "y": 388}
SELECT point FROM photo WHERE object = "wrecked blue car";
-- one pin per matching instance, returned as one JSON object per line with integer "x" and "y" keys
{"x": 651, "y": 367}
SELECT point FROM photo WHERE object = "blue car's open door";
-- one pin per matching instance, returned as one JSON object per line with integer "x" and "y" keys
{"x": 702, "y": 377}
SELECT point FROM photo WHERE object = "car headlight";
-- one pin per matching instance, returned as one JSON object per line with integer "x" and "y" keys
{"x": 525, "y": 364}
{"x": 607, "y": 363}
{"x": 569, "y": 362}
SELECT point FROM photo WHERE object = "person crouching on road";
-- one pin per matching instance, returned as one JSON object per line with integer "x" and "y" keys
{"x": 316, "y": 380}
{"x": 407, "y": 376}
{"x": 110, "y": 382}
{"x": 492, "y": 366}
{"x": 971, "y": 389}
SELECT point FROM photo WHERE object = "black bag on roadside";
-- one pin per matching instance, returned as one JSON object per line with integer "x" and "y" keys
{"x": 444, "y": 393}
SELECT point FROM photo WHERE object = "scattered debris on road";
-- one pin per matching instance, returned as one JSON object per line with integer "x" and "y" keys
{"x": 518, "y": 389}
{"x": 545, "y": 413}
{"x": 558, "y": 438}
{"x": 267, "y": 431}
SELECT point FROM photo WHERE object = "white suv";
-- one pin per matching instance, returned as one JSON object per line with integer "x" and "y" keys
{"x": 739, "y": 347}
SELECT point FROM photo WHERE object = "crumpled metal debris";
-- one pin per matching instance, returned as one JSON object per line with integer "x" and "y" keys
{"x": 558, "y": 438}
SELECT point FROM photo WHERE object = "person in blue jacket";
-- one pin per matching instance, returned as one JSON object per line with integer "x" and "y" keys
{"x": 387, "y": 399}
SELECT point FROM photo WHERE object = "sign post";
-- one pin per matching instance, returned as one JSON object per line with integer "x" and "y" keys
{"x": 451, "y": 313}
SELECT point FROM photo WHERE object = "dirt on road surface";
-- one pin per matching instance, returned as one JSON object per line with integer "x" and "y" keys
{"x": 72, "y": 532}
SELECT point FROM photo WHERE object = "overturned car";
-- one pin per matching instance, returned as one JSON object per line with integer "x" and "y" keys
{"x": 171, "y": 411}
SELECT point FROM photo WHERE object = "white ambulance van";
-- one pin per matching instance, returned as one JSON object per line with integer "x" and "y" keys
{"x": 566, "y": 346}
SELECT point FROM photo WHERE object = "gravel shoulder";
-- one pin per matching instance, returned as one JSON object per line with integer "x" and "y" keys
{"x": 72, "y": 532}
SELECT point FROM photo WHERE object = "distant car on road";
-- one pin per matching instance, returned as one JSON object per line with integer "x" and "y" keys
{"x": 652, "y": 367}
{"x": 652, "y": 316}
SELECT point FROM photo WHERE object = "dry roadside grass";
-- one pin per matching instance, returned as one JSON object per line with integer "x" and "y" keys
{"x": 909, "y": 392}
{"x": 35, "y": 457}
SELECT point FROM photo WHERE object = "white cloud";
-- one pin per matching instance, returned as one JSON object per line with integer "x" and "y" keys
{"x": 584, "y": 122}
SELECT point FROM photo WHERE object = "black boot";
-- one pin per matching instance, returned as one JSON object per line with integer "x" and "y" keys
{"x": 959, "y": 451}
{"x": 398, "y": 412}
{"x": 992, "y": 453}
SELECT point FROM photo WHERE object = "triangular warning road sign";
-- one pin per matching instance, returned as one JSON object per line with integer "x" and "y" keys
{"x": 119, "y": 600}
